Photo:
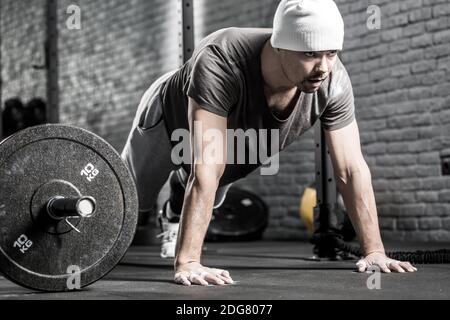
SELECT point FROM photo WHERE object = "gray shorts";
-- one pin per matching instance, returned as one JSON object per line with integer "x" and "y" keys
{"x": 147, "y": 151}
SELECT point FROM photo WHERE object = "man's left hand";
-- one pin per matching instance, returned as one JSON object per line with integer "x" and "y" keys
{"x": 385, "y": 263}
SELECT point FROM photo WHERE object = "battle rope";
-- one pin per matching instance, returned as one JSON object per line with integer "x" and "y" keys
{"x": 417, "y": 257}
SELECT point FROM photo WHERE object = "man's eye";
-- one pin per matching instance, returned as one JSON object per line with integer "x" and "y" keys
{"x": 309, "y": 54}
{"x": 332, "y": 53}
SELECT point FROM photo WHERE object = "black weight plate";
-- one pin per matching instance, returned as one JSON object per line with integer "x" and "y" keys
{"x": 242, "y": 216}
{"x": 39, "y": 161}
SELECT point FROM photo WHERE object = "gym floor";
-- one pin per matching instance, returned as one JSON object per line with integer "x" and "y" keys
{"x": 263, "y": 271}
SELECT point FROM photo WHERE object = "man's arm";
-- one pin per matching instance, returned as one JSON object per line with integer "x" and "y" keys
{"x": 206, "y": 171}
{"x": 354, "y": 182}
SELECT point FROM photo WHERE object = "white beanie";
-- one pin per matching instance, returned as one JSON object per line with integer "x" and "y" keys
{"x": 308, "y": 25}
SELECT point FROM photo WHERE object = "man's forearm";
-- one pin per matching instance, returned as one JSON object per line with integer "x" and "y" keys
{"x": 195, "y": 218}
{"x": 357, "y": 191}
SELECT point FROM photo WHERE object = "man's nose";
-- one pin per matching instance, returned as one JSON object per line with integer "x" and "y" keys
{"x": 322, "y": 65}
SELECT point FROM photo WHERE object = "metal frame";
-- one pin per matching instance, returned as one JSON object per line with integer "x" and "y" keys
{"x": 1, "y": 81}
{"x": 187, "y": 32}
{"x": 325, "y": 218}
{"x": 51, "y": 60}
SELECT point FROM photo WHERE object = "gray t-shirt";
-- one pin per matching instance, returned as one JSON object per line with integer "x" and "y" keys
{"x": 224, "y": 77}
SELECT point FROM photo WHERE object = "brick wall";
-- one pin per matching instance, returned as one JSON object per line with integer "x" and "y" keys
{"x": 400, "y": 74}
{"x": 107, "y": 65}
{"x": 22, "y": 37}
{"x": 401, "y": 80}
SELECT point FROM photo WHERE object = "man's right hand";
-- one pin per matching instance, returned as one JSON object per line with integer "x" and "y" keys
{"x": 194, "y": 273}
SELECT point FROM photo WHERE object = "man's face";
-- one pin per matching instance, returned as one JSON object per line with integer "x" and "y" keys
{"x": 307, "y": 70}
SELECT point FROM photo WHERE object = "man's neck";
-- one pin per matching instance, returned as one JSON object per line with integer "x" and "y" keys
{"x": 272, "y": 72}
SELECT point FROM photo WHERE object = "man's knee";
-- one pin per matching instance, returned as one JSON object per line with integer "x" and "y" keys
{"x": 178, "y": 181}
{"x": 221, "y": 194}
{"x": 177, "y": 189}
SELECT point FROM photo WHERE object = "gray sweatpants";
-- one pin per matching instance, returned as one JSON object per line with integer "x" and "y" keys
{"x": 147, "y": 152}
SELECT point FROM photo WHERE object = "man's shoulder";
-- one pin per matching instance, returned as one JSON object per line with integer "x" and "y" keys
{"x": 339, "y": 72}
{"x": 338, "y": 82}
{"x": 235, "y": 33}
{"x": 235, "y": 41}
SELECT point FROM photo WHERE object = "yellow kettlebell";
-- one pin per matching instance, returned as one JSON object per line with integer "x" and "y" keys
{"x": 307, "y": 204}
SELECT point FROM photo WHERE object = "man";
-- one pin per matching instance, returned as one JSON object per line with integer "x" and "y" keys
{"x": 284, "y": 79}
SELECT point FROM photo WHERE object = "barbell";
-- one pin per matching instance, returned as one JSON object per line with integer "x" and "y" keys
{"x": 68, "y": 208}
